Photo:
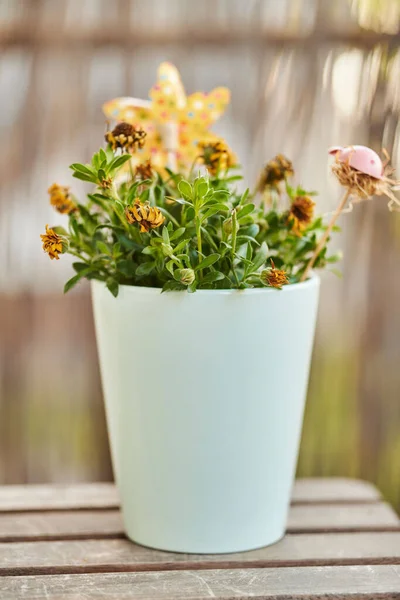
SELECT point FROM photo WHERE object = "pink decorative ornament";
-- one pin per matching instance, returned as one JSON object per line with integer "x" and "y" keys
{"x": 361, "y": 158}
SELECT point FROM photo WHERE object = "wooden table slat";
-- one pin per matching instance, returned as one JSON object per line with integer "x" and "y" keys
{"x": 104, "y": 495}
{"x": 67, "y": 542}
{"x": 95, "y": 556}
{"x": 108, "y": 523}
{"x": 305, "y": 583}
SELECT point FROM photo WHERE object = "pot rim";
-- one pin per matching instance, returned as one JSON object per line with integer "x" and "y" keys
{"x": 312, "y": 281}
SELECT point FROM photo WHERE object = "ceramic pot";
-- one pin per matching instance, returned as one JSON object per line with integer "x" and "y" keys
{"x": 204, "y": 398}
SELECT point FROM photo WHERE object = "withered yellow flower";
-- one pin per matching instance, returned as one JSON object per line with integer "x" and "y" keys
{"x": 52, "y": 243}
{"x": 274, "y": 277}
{"x": 148, "y": 217}
{"x": 60, "y": 198}
{"x": 144, "y": 171}
{"x": 216, "y": 155}
{"x": 127, "y": 137}
{"x": 276, "y": 170}
{"x": 301, "y": 213}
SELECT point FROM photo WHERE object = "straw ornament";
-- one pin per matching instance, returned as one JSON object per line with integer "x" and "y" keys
{"x": 361, "y": 171}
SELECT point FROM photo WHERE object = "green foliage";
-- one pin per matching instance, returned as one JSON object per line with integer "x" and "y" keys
{"x": 211, "y": 236}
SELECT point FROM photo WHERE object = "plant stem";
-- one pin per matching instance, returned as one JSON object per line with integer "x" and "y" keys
{"x": 326, "y": 235}
{"x": 233, "y": 251}
{"x": 199, "y": 243}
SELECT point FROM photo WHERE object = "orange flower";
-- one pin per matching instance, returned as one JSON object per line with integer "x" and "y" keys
{"x": 301, "y": 213}
{"x": 144, "y": 171}
{"x": 276, "y": 170}
{"x": 127, "y": 137}
{"x": 148, "y": 217}
{"x": 273, "y": 277}
{"x": 52, "y": 243}
{"x": 216, "y": 155}
{"x": 60, "y": 198}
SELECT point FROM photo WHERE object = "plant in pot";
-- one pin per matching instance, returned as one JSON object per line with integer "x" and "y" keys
{"x": 205, "y": 309}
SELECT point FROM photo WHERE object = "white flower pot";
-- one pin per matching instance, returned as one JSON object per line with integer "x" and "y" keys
{"x": 204, "y": 398}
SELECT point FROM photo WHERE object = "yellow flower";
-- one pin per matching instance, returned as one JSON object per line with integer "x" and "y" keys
{"x": 274, "y": 277}
{"x": 216, "y": 155}
{"x": 60, "y": 198}
{"x": 52, "y": 243}
{"x": 127, "y": 137}
{"x": 301, "y": 213}
{"x": 148, "y": 217}
{"x": 276, "y": 170}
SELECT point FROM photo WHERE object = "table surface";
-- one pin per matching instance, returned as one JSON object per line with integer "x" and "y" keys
{"x": 67, "y": 541}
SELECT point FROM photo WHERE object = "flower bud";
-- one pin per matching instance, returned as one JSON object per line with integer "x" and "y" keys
{"x": 167, "y": 249}
{"x": 186, "y": 276}
{"x": 227, "y": 226}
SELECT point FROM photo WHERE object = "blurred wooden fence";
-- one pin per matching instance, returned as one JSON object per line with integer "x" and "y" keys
{"x": 304, "y": 76}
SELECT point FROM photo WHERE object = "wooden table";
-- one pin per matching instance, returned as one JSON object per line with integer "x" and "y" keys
{"x": 67, "y": 542}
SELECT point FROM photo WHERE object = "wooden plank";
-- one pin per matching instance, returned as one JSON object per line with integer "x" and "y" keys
{"x": 60, "y": 525}
{"x": 104, "y": 495}
{"x": 108, "y": 523}
{"x": 306, "y": 583}
{"x": 58, "y": 497}
{"x": 105, "y": 556}
{"x": 335, "y": 489}
{"x": 342, "y": 517}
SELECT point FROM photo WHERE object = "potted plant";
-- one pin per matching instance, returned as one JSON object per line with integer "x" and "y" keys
{"x": 205, "y": 310}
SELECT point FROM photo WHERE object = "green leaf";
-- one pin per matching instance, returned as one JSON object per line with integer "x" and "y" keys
{"x": 260, "y": 257}
{"x": 208, "y": 261}
{"x": 249, "y": 251}
{"x": 112, "y": 285}
{"x": 145, "y": 268}
{"x": 185, "y": 189}
{"x": 165, "y": 235}
{"x": 247, "y": 209}
{"x": 78, "y": 266}
{"x": 244, "y": 197}
{"x": 216, "y": 208}
{"x": 170, "y": 267}
{"x": 200, "y": 187}
{"x": 84, "y": 177}
{"x": 71, "y": 282}
{"x": 177, "y": 234}
{"x": 74, "y": 280}
{"x": 126, "y": 267}
{"x": 336, "y": 272}
{"x": 118, "y": 162}
{"x": 85, "y": 169}
{"x": 60, "y": 230}
{"x": 104, "y": 249}
{"x": 172, "y": 286}
{"x": 212, "y": 276}
{"x": 102, "y": 174}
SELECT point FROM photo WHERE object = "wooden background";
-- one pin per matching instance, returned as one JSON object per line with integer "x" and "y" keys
{"x": 305, "y": 74}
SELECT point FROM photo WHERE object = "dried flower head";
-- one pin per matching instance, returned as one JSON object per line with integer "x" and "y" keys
{"x": 106, "y": 183}
{"x": 363, "y": 186}
{"x": 276, "y": 170}
{"x": 274, "y": 277}
{"x": 52, "y": 243}
{"x": 60, "y": 198}
{"x": 148, "y": 217}
{"x": 144, "y": 171}
{"x": 301, "y": 213}
{"x": 216, "y": 155}
{"x": 127, "y": 137}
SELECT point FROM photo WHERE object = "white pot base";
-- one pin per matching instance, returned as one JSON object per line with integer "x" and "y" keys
{"x": 221, "y": 550}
